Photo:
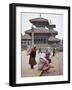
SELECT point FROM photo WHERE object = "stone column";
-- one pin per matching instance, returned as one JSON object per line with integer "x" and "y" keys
{"x": 32, "y": 29}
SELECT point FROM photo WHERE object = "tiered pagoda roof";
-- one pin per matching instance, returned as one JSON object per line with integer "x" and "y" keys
{"x": 42, "y": 26}
{"x": 41, "y": 22}
{"x": 42, "y": 30}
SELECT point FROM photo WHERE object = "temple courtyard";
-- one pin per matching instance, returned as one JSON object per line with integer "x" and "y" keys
{"x": 26, "y": 71}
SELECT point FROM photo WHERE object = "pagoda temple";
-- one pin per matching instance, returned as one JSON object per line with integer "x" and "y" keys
{"x": 42, "y": 33}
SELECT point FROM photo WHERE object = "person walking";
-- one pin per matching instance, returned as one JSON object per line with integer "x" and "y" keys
{"x": 54, "y": 52}
{"x": 39, "y": 50}
{"x": 44, "y": 64}
{"x": 32, "y": 60}
{"x": 47, "y": 56}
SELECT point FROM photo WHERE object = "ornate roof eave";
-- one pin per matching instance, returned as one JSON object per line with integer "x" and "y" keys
{"x": 53, "y": 39}
{"x": 26, "y": 36}
{"x": 40, "y": 19}
{"x": 51, "y": 26}
{"x": 42, "y": 31}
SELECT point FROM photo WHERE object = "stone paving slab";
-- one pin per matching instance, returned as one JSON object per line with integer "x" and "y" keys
{"x": 26, "y": 71}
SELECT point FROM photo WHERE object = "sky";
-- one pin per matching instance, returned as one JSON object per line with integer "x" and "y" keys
{"x": 56, "y": 19}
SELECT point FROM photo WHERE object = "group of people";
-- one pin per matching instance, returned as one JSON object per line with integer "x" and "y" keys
{"x": 44, "y": 60}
